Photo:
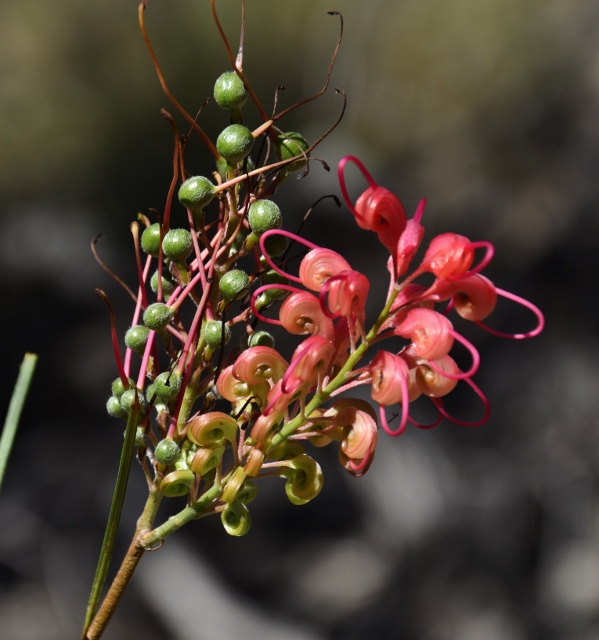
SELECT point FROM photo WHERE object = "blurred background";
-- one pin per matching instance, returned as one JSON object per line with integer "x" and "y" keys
{"x": 490, "y": 110}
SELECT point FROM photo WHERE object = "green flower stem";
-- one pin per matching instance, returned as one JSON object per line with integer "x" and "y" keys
{"x": 114, "y": 517}
{"x": 151, "y": 539}
{"x": 127, "y": 568}
{"x": 15, "y": 408}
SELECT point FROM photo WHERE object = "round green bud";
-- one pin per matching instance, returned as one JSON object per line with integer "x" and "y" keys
{"x": 234, "y": 284}
{"x": 196, "y": 193}
{"x": 276, "y": 245}
{"x": 216, "y": 333}
{"x": 118, "y": 388}
{"x": 150, "y": 240}
{"x": 128, "y": 398}
{"x": 168, "y": 286}
{"x": 157, "y": 316}
{"x": 113, "y": 406}
{"x": 264, "y": 215}
{"x": 167, "y": 451}
{"x": 136, "y": 338}
{"x": 229, "y": 91}
{"x": 289, "y": 145}
{"x": 235, "y": 143}
{"x": 261, "y": 339}
{"x": 177, "y": 244}
{"x": 167, "y": 385}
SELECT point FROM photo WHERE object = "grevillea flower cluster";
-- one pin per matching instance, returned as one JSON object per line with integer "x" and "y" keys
{"x": 216, "y": 405}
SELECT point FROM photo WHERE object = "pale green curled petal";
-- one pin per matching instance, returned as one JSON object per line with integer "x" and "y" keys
{"x": 247, "y": 492}
{"x": 177, "y": 483}
{"x": 211, "y": 428}
{"x": 236, "y": 519}
{"x": 206, "y": 459}
{"x": 304, "y": 479}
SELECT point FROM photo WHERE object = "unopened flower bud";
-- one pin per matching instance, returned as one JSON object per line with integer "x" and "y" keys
{"x": 216, "y": 333}
{"x": 261, "y": 339}
{"x": 136, "y": 338}
{"x": 229, "y": 91}
{"x": 167, "y": 385}
{"x": 235, "y": 143}
{"x": 177, "y": 244}
{"x": 234, "y": 284}
{"x": 157, "y": 316}
{"x": 264, "y": 215}
{"x": 150, "y": 240}
{"x": 113, "y": 406}
{"x": 289, "y": 145}
{"x": 196, "y": 193}
{"x": 168, "y": 286}
{"x": 167, "y": 451}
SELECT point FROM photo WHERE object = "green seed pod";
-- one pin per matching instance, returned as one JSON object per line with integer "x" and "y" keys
{"x": 234, "y": 284}
{"x": 168, "y": 286}
{"x": 136, "y": 338}
{"x": 261, "y": 339}
{"x": 236, "y": 519}
{"x": 113, "y": 406}
{"x": 118, "y": 388}
{"x": 177, "y": 244}
{"x": 275, "y": 245}
{"x": 167, "y": 451}
{"x": 235, "y": 143}
{"x": 167, "y": 385}
{"x": 150, "y": 240}
{"x": 128, "y": 398}
{"x": 157, "y": 316}
{"x": 289, "y": 145}
{"x": 196, "y": 193}
{"x": 229, "y": 91}
{"x": 177, "y": 483}
{"x": 216, "y": 333}
{"x": 264, "y": 215}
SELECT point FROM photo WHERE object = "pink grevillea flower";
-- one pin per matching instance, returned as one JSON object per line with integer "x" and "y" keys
{"x": 430, "y": 332}
{"x": 311, "y": 361}
{"x": 302, "y": 313}
{"x": 377, "y": 209}
{"x": 345, "y": 294}
{"x": 389, "y": 385}
{"x": 357, "y": 419}
{"x": 235, "y": 390}
{"x": 408, "y": 243}
{"x": 450, "y": 256}
{"x": 474, "y": 297}
{"x": 259, "y": 364}
{"x": 320, "y": 264}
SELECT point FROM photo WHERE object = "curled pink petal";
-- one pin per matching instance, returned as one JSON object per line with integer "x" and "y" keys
{"x": 437, "y": 381}
{"x": 302, "y": 314}
{"x": 346, "y": 292}
{"x": 431, "y": 333}
{"x": 311, "y": 358}
{"x": 389, "y": 378}
{"x": 448, "y": 255}
{"x": 525, "y": 303}
{"x": 377, "y": 209}
{"x": 235, "y": 390}
{"x": 318, "y": 265}
{"x": 258, "y": 364}
{"x": 474, "y": 298}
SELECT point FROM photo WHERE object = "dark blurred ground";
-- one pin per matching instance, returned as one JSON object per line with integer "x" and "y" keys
{"x": 490, "y": 110}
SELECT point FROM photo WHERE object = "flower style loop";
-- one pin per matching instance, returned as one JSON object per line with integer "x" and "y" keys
{"x": 302, "y": 314}
{"x": 318, "y": 265}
